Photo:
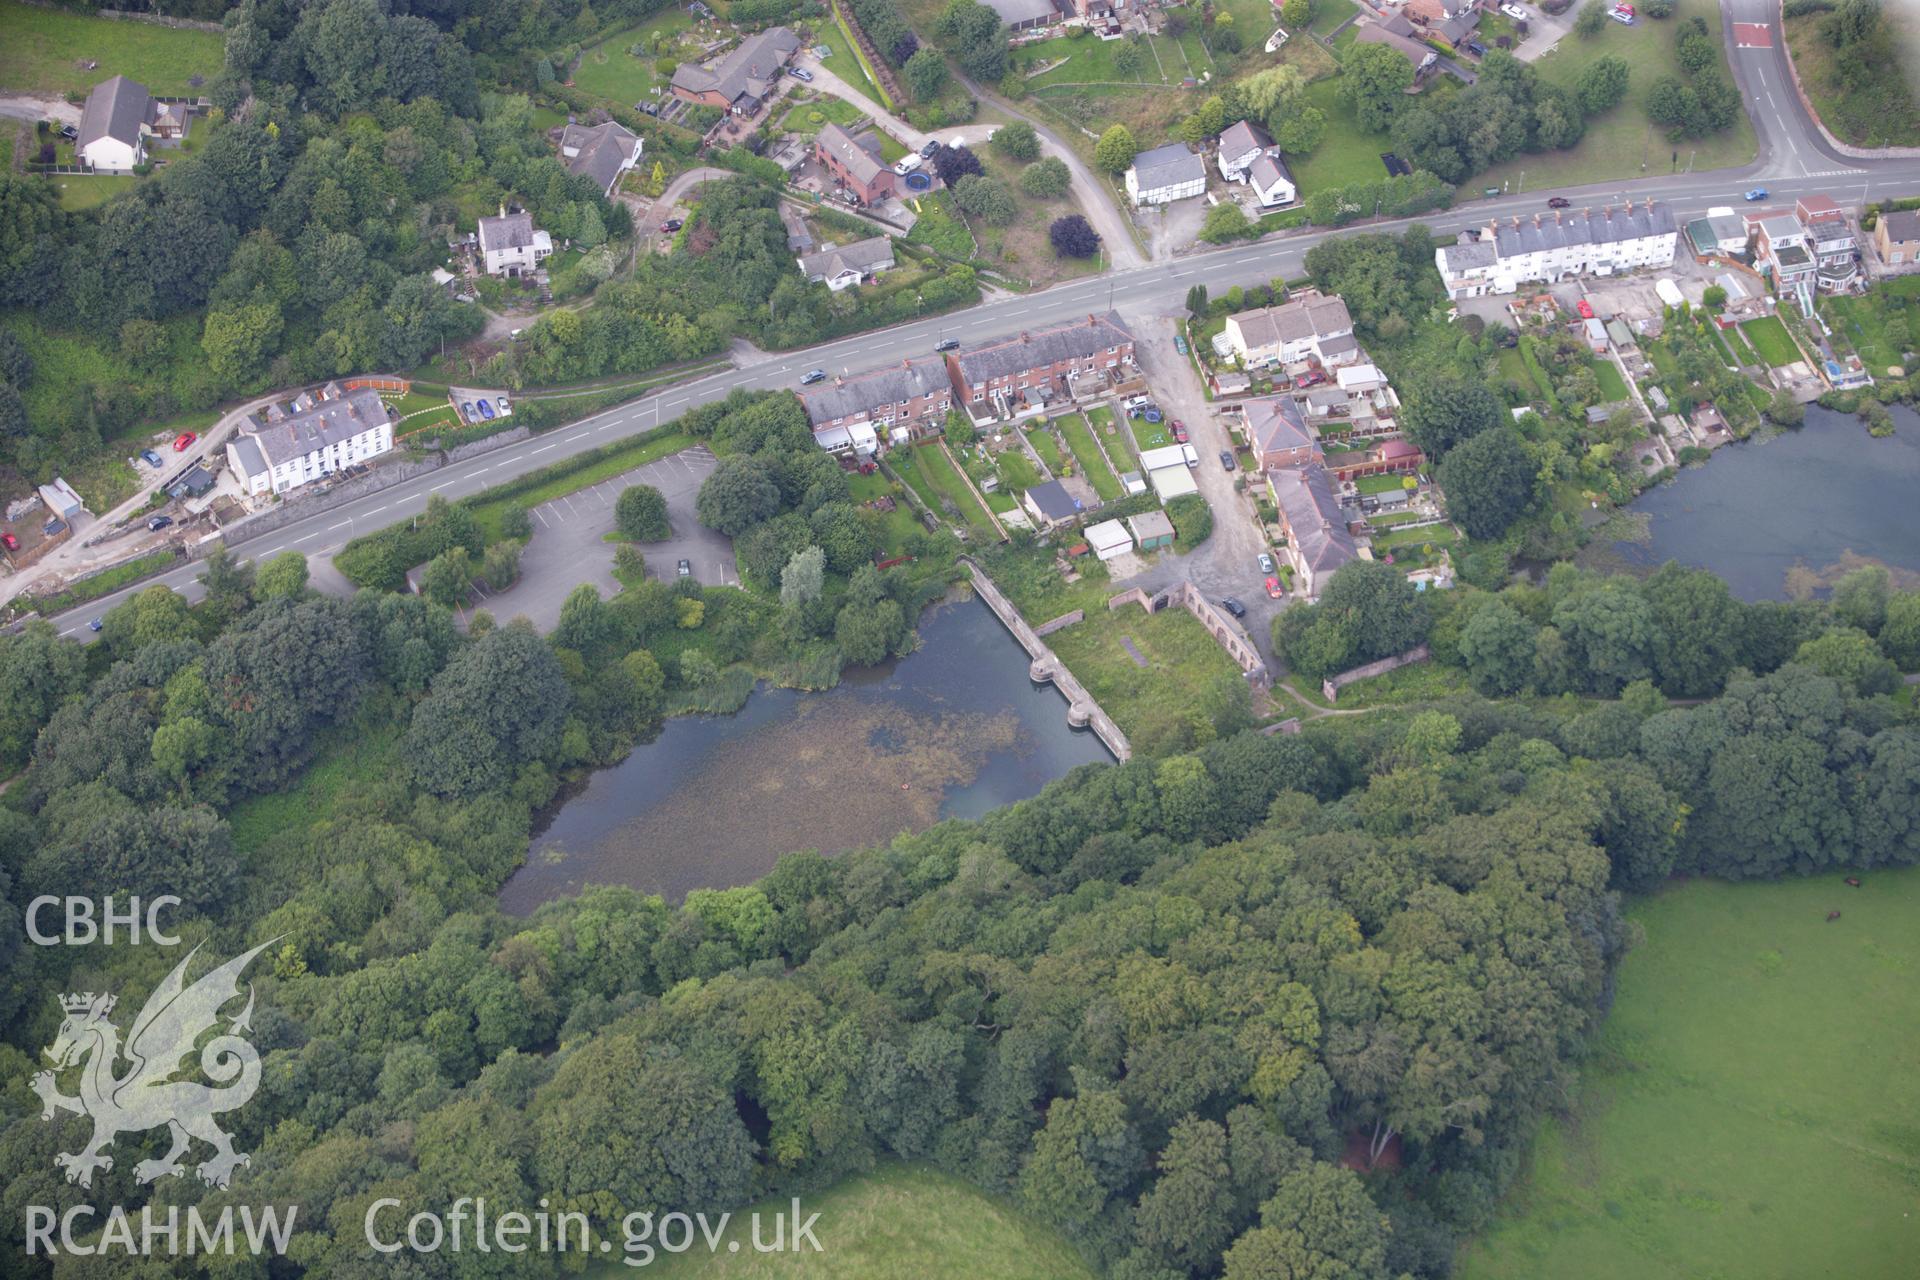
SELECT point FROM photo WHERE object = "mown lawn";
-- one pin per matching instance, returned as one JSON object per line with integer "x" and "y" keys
{"x": 808, "y": 118}
{"x": 609, "y": 71}
{"x": 41, "y": 51}
{"x": 1752, "y": 1106}
{"x": 1347, "y": 154}
{"x": 78, "y": 193}
{"x": 1771, "y": 340}
{"x": 1612, "y": 385}
{"x": 1623, "y": 143}
{"x": 899, "y": 1220}
{"x": 940, "y": 229}
{"x": 1047, "y": 447}
{"x": 846, "y": 62}
{"x": 1017, "y": 472}
{"x": 1086, "y": 451}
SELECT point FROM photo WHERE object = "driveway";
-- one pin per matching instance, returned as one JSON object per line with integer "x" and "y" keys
{"x": 569, "y": 543}
{"x": 1227, "y": 563}
{"x": 1544, "y": 31}
{"x": 1172, "y": 228}
{"x": 21, "y": 106}
{"x": 1090, "y": 192}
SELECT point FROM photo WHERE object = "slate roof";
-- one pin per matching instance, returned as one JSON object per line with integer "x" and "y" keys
{"x": 870, "y": 391}
{"x": 1242, "y": 137}
{"x": 115, "y": 109}
{"x": 510, "y": 231}
{"x": 1274, "y": 422}
{"x": 1607, "y": 226}
{"x": 1459, "y": 26}
{"x": 746, "y": 72}
{"x": 859, "y": 156}
{"x": 1293, "y": 321}
{"x": 327, "y": 422}
{"x": 861, "y": 256}
{"x": 1458, "y": 259}
{"x": 1053, "y": 501}
{"x": 1902, "y": 226}
{"x": 1075, "y": 341}
{"x": 1319, "y": 528}
{"x": 1168, "y": 166}
{"x": 1383, "y": 32}
{"x": 252, "y": 461}
{"x": 604, "y": 150}
{"x": 1269, "y": 169}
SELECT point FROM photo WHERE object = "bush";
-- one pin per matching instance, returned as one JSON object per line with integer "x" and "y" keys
{"x": 1046, "y": 179}
{"x": 641, "y": 514}
{"x": 1017, "y": 140}
{"x": 1073, "y": 237}
{"x": 1192, "y": 520}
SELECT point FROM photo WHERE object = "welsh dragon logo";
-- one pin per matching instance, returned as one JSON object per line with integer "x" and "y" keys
{"x": 147, "y": 1096}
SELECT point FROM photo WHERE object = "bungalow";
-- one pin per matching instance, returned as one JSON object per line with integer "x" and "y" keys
{"x": 1313, "y": 327}
{"x": 1278, "y": 433}
{"x": 907, "y": 401}
{"x": 602, "y": 152}
{"x": 282, "y": 448}
{"x": 1240, "y": 145}
{"x": 1050, "y": 505}
{"x": 740, "y": 82}
{"x": 1166, "y": 174}
{"x": 1318, "y": 542}
{"x": 119, "y": 117}
{"x": 848, "y": 265}
{"x": 855, "y": 164}
{"x": 509, "y": 245}
{"x": 1897, "y": 238}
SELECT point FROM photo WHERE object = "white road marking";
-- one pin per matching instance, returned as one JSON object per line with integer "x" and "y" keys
{"x": 344, "y": 524}
{"x": 437, "y": 488}
{"x": 543, "y": 448}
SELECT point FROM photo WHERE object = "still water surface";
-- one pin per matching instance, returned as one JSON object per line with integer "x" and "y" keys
{"x": 953, "y": 730}
{"x": 1813, "y": 499}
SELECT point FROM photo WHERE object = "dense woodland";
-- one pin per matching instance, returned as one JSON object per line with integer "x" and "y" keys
{"x": 1157, "y": 1005}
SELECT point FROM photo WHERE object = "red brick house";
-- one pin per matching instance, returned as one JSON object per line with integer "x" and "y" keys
{"x": 895, "y": 405}
{"x": 1017, "y": 377}
{"x": 1278, "y": 433}
{"x": 855, "y": 163}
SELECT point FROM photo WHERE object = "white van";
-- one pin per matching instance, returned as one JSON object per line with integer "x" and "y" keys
{"x": 1193, "y": 459}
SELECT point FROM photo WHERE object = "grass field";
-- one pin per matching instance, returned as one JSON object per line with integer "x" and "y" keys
{"x": 42, "y": 50}
{"x": 609, "y": 71}
{"x": 1771, "y": 341}
{"x": 1862, "y": 113}
{"x": 900, "y": 1220}
{"x": 1347, "y": 154}
{"x": 845, "y": 61}
{"x": 809, "y": 118}
{"x": 900, "y": 523}
{"x": 933, "y": 478}
{"x": 1093, "y": 463}
{"x": 1150, "y": 435}
{"x": 1612, "y": 385}
{"x": 350, "y": 760}
{"x": 79, "y": 193}
{"x": 1752, "y": 1109}
{"x": 1017, "y": 472}
{"x": 1623, "y": 143}
{"x": 1047, "y": 447}
{"x": 1183, "y": 662}
{"x": 940, "y": 229}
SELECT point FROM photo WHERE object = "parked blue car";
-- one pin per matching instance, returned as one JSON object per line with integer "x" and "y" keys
{"x": 152, "y": 459}
{"x": 486, "y": 410}
{"x": 1758, "y": 193}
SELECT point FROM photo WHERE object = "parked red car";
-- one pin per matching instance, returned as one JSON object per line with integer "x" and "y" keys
{"x": 1273, "y": 588}
{"x": 1586, "y": 309}
{"x": 1179, "y": 431}
{"x": 1311, "y": 378}
{"x": 183, "y": 441}
{"x": 13, "y": 543}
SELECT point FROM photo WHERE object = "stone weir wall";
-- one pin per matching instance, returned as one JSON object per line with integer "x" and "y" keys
{"x": 1047, "y": 668}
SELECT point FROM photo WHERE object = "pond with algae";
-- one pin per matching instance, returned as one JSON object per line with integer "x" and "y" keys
{"x": 953, "y": 730}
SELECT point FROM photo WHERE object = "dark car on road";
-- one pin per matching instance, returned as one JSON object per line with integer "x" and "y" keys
{"x": 947, "y": 344}
{"x": 158, "y": 523}
{"x": 1226, "y": 459}
{"x": 671, "y": 225}
{"x": 1233, "y": 606}
{"x": 813, "y": 376}
{"x": 94, "y": 625}
{"x": 1559, "y": 202}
